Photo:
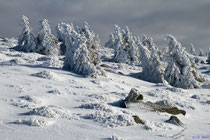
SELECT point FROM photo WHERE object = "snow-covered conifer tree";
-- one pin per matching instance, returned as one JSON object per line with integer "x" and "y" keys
{"x": 82, "y": 55}
{"x": 27, "y": 40}
{"x": 208, "y": 59}
{"x": 152, "y": 66}
{"x": 201, "y": 52}
{"x": 124, "y": 45}
{"x": 192, "y": 49}
{"x": 110, "y": 42}
{"x": 180, "y": 72}
{"x": 47, "y": 42}
{"x": 63, "y": 30}
{"x": 93, "y": 43}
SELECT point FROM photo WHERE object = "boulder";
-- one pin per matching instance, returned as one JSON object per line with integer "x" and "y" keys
{"x": 137, "y": 120}
{"x": 175, "y": 120}
{"x": 134, "y": 96}
{"x": 196, "y": 97}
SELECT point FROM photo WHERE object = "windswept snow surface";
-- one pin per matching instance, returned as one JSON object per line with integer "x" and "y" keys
{"x": 39, "y": 100}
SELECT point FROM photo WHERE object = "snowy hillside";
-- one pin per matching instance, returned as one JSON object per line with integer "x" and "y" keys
{"x": 40, "y": 100}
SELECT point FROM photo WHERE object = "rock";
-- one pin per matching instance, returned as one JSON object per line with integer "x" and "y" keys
{"x": 134, "y": 96}
{"x": 137, "y": 120}
{"x": 208, "y": 102}
{"x": 196, "y": 97}
{"x": 164, "y": 108}
{"x": 175, "y": 120}
{"x": 147, "y": 128}
{"x": 106, "y": 66}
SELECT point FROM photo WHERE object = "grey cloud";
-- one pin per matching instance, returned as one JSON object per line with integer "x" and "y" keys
{"x": 186, "y": 19}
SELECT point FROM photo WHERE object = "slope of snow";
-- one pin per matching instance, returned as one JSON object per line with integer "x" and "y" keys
{"x": 39, "y": 100}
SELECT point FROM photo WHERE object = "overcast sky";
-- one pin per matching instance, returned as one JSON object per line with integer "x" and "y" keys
{"x": 188, "y": 20}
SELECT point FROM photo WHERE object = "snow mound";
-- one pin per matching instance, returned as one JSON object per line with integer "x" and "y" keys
{"x": 46, "y": 75}
{"x": 50, "y": 112}
{"x": 56, "y": 92}
{"x": 115, "y": 137}
{"x": 51, "y": 61}
{"x": 30, "y": 99}
{"x": 33, "y": 122}
{"x": 166, "y": 102}
{"x": 97, "y": 106}
{"x": 26, "y": 102}
{"x": 112, "y": 119}
{"x": 22, "y": 104}
{"x": 12, "y": 62}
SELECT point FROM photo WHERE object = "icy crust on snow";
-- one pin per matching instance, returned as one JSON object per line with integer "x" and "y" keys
{"x": 50, "y": 112}
{"x": 33, "y": 122}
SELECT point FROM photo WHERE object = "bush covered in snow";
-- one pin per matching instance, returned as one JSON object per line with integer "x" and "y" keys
{"x": 82, "y": 55}
{"x": 47, "y": 42}
{"x": 124, "y": 45}
{"x": 27, "y": 40}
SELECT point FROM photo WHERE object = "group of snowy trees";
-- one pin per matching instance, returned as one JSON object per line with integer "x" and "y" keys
{"x": 79, "y": 45}
{"x": 173, "y": 65}
{"x": 46, "y": 43}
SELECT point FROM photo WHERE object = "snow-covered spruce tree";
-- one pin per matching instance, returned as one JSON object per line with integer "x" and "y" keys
{"x": 27, "y": 40}
{"x": 47, "y": 42}
{"x": 180, "y": 71}
{"x": 192, "y": 49}
{"x": 152, "y": 66}
{"x": 63, "y": 30}
{"x": 208, "y": 58}
{"x": 125, "y": 48}
{"x": 201, "y": 52}
{"x": 82, "y": 55}
{"x": 93, "y": 43}
{"x": 110, "y": 42}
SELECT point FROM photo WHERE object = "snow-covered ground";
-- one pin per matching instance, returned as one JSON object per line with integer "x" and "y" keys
{"x": 40, "y": 100}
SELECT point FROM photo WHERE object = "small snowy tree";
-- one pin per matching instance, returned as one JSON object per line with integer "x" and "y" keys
{"x": 82, "y": 55}
{"x": 63, "y": 30}
{"x": 180, "y": 72}
{"x": 110, "y": 42}
{"x": 201, "y": 52}
{"x": 124, "y": 45}
{"x": 27, "y": 40}
{"x": 192, "y": 49}
{"x": 208, "y": 59}
{"x": 93, "y": 43}
{"x": 152, "y": 66}
{"x": 47, "y": 42}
